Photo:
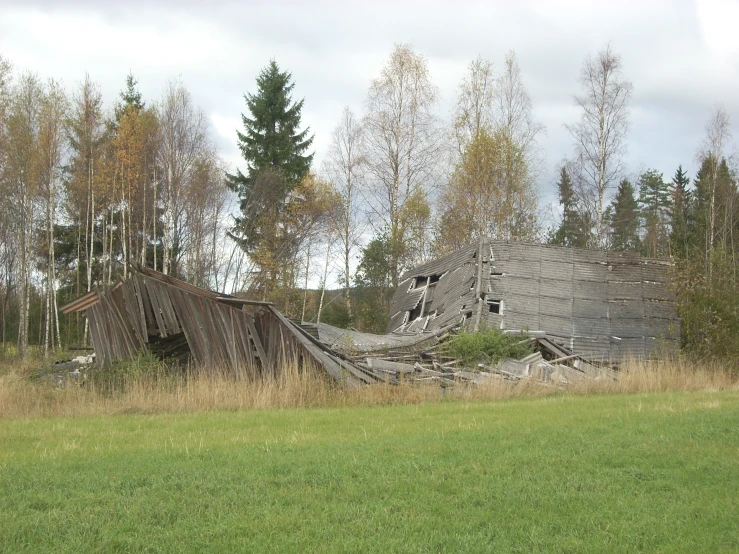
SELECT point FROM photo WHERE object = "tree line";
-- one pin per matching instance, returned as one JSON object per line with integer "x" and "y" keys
{"x": 88, "y": 192}
{"x": 91, "y": 192}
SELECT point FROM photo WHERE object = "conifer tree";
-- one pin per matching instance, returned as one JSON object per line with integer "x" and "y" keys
{"x": 680, "y": 213}
{"x": 131, "y": 98}
{"x": 654, "y": 197}
{"x": 574, "y": 229}
{"x": 713, "y": 209}
{"x": 275, "y": 151}
{"x": 624, "y": 218}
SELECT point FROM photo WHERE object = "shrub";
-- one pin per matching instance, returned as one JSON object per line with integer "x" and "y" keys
{"x": 490, "y": 345}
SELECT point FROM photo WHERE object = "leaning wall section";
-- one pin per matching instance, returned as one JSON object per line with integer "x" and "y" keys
{"x": 603, "y": 305}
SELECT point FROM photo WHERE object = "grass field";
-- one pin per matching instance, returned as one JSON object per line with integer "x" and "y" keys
{"x": 654, "y": 472}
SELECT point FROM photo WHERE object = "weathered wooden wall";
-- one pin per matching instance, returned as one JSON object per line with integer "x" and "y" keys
{"x": 603, "y": 305}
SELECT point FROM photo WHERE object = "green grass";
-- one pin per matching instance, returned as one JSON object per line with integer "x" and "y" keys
{"x": 622, "y": 473}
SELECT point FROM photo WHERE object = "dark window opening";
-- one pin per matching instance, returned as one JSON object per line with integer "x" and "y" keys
{"x": 494, "y": 306}
{"x": 422, "y": 281}
{"x": 415, "y": 313}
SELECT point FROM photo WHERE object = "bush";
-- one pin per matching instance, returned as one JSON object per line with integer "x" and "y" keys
{"x": 708, "y": 304}
{"x": 489, "y": 345}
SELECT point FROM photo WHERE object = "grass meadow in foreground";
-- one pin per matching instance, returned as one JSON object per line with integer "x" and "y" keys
{"x": 645, "y": 472}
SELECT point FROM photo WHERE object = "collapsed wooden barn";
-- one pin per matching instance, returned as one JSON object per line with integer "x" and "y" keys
{"x": 583, "y": 305}
{"x": 156, "y": 312}
{"x": 605, "y": 306}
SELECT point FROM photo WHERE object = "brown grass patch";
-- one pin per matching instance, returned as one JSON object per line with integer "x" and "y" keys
{"x": 209, "y": 390}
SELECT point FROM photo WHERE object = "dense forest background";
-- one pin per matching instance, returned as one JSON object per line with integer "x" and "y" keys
{"x": 93, "y": 186}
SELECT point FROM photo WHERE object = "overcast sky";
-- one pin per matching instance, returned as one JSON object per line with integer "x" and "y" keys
{"x": 682, "y": 57}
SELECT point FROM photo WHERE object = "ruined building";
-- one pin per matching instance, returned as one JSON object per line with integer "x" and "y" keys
{"x": 603, "y": 305}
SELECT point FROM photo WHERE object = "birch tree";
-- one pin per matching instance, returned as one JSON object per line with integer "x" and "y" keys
{"x": 492, "y": 190}
{"x": 711, "y": 155}
{"x": 5, "y": 77}
{"x": 204, "y": 205}
{"x": 344, "y": 167}
{"x": 22, "y": 176}
{"x": 8, "y": 251}
{"x": 182, "y": 143}
{"x": 600, "y": 135}
{"x": 51, "y": 151}
{"x": 490, "y": 194}
{"x": 513, "y": 112}
{"x": 85, "y": 132}
{"x": 401, "y": 144}
{"x": 474, "y": 112}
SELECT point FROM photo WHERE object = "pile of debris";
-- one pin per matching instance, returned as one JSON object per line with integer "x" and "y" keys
{"x": 68, "y": 372}
{"x": 551, "y": 364}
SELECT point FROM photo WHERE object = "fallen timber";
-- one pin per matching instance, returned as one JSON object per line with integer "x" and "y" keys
{"x": 421, "y": 359}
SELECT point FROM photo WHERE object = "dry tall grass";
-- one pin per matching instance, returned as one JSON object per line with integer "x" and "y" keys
{"x": 215, "y": 390}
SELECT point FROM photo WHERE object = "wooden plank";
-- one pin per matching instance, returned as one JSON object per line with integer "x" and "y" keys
{"x": 146, "y": 302}
{"x": 555, "y": 324}
{"x": 156, "y": 309}
{"x": 552, "y": 348}
{"x": 168, "y": 311}
{"x": 135, "y": 282}
{"x": 220, "y": 332}
{"x": 192, "y": 333}
{"x": 133, "y": 315}
{"x": 244, "y": 342}
{"x": 522, "y": 304}
{"x": 388, "y": 365}
{"x": 126, "y": 343}
{"x": 560, "y": 307}
{"x": 563, "y": 271}
{"x": 660, "y": 309}
{"x": 98, "y": 343}
{"x": 626, "y": 309}
{"x": 589, "y": 271}
{"x": 591, "y": 309}
{"x": 257, "y": 342}
{"x": 619, "y": 290}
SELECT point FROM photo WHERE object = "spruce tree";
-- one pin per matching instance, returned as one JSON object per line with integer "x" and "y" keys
{"x": 624, "y": 219}
{"x": 680, "y": 213}
{"x": 275, "y": 151}
{"x": 654, "y": 197}
{"x": 574, "y": 229}
{"x": 131, "y": 98}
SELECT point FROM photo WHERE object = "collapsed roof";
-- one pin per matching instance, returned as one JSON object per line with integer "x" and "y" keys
{"x": 153, "y": 311}
{"x": 602, "y": 305}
